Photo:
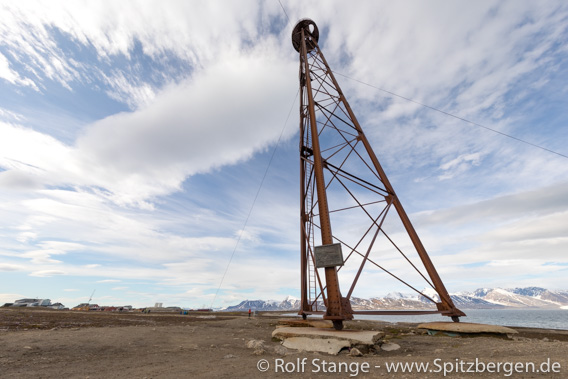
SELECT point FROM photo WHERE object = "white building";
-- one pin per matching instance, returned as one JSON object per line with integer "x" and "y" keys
{"x": 32, "y": 303}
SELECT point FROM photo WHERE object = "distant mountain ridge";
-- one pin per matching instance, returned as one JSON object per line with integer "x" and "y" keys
{"x": 481, "y": 298}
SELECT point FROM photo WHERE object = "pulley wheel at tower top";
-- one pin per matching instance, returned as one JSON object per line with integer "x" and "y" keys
{"x": 311, "y": 34}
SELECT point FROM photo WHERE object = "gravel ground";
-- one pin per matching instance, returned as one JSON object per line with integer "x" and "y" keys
{"x": 46, "y": 344}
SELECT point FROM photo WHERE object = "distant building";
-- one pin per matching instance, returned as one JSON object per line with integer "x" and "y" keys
{"x": 81, "y": 307}
{"x": 86, "y": 307}
{"x": 32, "y": 303}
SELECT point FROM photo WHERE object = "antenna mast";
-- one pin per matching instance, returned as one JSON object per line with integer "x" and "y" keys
{"x": 91, "y": 297}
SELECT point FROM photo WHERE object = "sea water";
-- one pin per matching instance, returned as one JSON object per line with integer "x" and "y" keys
{"x": 530, "y": 318}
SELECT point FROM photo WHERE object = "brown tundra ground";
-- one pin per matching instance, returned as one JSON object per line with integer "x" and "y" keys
{"x": 69, "y": 344}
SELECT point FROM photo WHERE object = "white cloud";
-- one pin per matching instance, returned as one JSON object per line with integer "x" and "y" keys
{"x": 464, "y": 59}
{"x": 12, "y": 76}
{"x": 459, "y": 165}
{"x": 509, "y": 238}
{"x": 146, "y": 153}
{"x": 218, "y": 117}
{"x": 498, "y": 242}
{"x": 33, "y": 159}
{"x": 42, "y": 256}
{"x": 26, "y": 236}
{"x": 47, "y": 273}
{"x": 175, "y": 38}
{"x": 134, "y": 94}
{"x": 542, "y": 201}
{"x": 10, "y": 267}
{"x": 8, "y": 115}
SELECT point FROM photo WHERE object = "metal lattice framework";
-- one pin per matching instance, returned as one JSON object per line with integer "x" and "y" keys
{"x": 343, "y": 182}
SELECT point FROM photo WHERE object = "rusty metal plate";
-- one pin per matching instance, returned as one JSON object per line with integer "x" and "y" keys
{"x": 328, "y": 255}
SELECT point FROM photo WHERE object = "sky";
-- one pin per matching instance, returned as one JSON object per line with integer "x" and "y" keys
{"x": 135, "y": 135}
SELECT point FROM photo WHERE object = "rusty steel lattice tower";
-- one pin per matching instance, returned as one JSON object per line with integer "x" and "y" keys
{"x": 341, "y": 180}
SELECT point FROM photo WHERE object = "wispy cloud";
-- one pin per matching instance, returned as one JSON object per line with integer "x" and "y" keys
{"x": 47, "y": 273}
{"x": 12, "y": 76}
{"x": 10, "y": 267}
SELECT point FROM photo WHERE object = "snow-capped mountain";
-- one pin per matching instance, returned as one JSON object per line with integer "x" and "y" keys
{"x": 257, "y": 305}
{"x": 481, "y": 292}
{"x": 560, "y": 297}
{"x": 529, "y": 297}
{"x": 290, "y": 302}
{"x": 400, "y": 295}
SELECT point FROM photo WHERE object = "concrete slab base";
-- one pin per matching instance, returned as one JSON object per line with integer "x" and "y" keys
{"x": 457, "y": 328}
{"x": 324, "y": 340}
{"x": 305, "y": 323}
{"x": 331, "y": 346}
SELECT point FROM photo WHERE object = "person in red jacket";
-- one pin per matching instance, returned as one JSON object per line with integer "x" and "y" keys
{"x": 249, "y": 312}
